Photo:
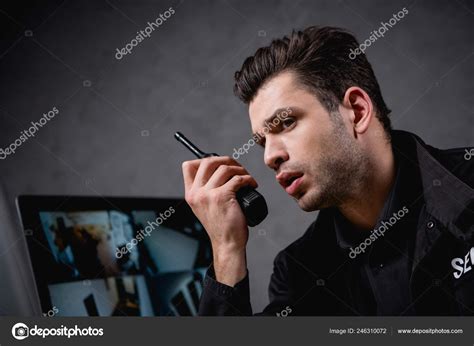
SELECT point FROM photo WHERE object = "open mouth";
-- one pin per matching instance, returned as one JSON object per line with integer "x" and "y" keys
{"x": 294, "y": 183}
{"x": 290, "y": 181}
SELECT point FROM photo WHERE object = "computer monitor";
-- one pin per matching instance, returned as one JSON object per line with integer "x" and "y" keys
{"x": 112, "y": 256}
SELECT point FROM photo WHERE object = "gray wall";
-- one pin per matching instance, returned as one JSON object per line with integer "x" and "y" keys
{"x": 181, "y": 79}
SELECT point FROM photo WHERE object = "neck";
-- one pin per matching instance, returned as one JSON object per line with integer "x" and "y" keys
{"x": 364, "y": 207}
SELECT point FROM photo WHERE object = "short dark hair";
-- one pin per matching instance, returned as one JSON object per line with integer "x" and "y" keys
{"x": 320, "y": 58}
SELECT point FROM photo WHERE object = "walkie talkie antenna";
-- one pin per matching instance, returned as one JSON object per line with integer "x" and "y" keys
{"x": 187, "y": 143}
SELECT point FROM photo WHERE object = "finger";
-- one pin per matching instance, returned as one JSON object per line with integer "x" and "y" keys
{"x": 209, "y": 165}
{"x": 239, "y": 181}
{"x": 189, "y": 172}
{"x": 223, "y": 174}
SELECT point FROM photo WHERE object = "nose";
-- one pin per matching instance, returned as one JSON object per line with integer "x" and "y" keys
{"x": 275, "y": 153}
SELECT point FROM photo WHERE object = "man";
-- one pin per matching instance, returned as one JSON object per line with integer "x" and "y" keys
{"x": 394, "y": 235}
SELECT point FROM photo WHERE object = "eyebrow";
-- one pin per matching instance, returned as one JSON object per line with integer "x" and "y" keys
{"x": 270, "y": 120}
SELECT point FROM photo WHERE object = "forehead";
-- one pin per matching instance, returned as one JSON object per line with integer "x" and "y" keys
{"x": 281, "y": 91}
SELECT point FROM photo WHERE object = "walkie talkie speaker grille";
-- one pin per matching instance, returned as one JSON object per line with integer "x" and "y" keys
{"x": 253, "y": 205}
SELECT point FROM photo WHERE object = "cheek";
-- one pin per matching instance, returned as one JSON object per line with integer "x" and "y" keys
{"x": 310, "y": 144}
{"x": 309, "y": 140}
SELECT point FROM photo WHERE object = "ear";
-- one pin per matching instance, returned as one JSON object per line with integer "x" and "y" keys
{"x": 358, "y": 102}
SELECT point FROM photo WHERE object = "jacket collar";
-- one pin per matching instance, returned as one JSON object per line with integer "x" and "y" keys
{"x": 448, "y": 199}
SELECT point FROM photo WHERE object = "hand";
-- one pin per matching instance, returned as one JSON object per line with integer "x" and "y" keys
{"x": 210, "y": 190}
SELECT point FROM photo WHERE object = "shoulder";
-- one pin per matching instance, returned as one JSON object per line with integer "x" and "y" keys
{"x": 458, "y": 161}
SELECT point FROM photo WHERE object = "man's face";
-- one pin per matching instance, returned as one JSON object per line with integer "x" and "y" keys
{"x": 313, "y": 153}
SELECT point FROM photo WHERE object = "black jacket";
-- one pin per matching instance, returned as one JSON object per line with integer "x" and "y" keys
{"x": 310, "y": 276}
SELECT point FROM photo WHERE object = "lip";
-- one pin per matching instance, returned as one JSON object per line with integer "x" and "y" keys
{"x": 294, "y": 186}
{"x": 284, "y": 178}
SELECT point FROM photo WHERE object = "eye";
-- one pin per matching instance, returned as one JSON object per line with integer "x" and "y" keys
{"x": 287, "y": 122}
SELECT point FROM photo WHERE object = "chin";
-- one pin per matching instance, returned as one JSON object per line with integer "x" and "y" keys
{"x": 312, "y": 201}
{"x": 307, "y": 204}
{"x": 307, "y": 208}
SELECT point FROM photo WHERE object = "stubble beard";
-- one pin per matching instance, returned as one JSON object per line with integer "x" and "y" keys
{"x": 339, "y": 174}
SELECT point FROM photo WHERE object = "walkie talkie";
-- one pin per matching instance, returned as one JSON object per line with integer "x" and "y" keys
{"x": 253, "y": 204}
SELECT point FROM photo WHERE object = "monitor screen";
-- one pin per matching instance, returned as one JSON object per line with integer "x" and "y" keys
{"x": 97, "y": 256}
